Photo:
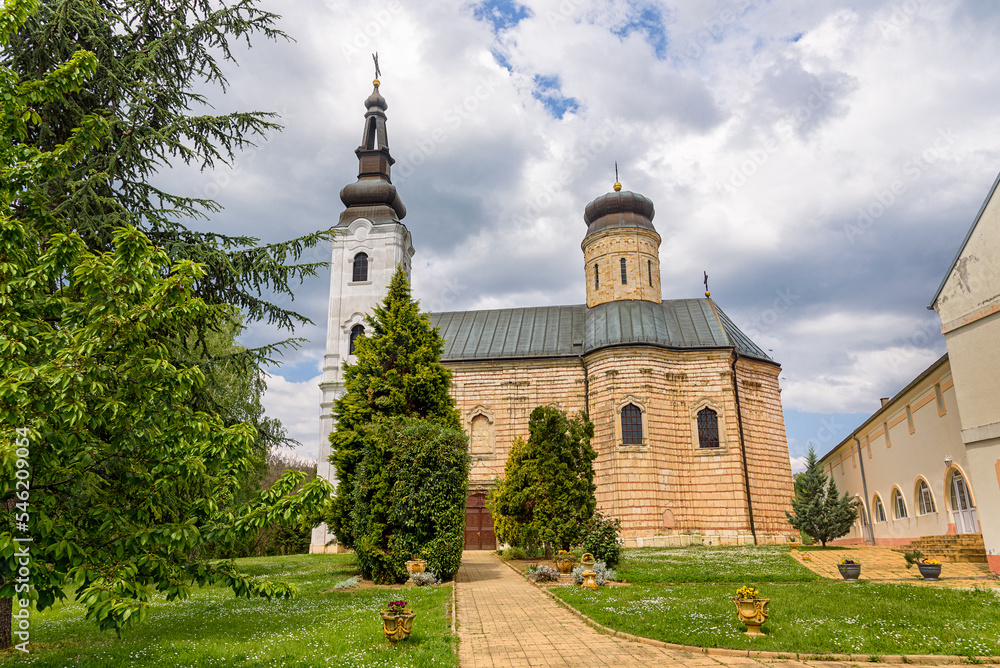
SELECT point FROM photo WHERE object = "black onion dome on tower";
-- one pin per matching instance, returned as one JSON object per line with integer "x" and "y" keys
{"x": 619, "y": 209}
{"x": 373, "y": 196}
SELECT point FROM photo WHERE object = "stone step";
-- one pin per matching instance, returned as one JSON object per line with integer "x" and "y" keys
{"x": 964, "y": 548}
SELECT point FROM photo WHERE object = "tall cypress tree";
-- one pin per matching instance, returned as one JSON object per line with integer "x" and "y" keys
{"x": 818, "y": 509}
{"x": 397, "y": 374}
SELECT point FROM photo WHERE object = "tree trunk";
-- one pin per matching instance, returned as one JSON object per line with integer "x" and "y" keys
{"x": 6, "y": 612}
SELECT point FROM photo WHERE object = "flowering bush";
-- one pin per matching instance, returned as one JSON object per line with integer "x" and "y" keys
{"x": 746, "y": 593}
{"x": 542, "y": 574}
{"x": 426, "y": 578}
{"x": 397, "y": 607}
{"x": 849, "y": 562}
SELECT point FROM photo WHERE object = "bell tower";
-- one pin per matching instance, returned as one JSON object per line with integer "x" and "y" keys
{"x": 371, "y": 243}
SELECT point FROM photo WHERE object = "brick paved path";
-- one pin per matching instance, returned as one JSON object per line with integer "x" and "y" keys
{"x": 505, "y": 622}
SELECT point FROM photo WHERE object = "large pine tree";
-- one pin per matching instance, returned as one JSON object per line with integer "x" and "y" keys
{"x": 818, "y": 509}
{"x": 397, "y": 374}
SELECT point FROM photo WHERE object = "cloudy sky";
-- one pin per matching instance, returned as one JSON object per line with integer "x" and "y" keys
{"x": 821, "y": 161}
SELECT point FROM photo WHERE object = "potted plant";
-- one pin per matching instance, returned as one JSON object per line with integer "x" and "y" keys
{"x": 565, "y": 560}
{"x": 397, "y": 621}
{"x": 751, "y": 609}
{"x": 414, "y": 566}
{"x": 930, "y": 568}
{"x": 850, "y": 569}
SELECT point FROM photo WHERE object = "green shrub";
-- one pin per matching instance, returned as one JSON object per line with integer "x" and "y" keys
{"x": 602, "y": 574}
{"x": 603, "y": 539}
{"x": 409, "y": 498}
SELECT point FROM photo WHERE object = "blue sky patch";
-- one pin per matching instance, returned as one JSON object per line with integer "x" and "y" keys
{"x": 502, "y": 60}
{"x": 648, "y": 20}
{"x": 548, "y": 90}
{"x": 503, "y": 14}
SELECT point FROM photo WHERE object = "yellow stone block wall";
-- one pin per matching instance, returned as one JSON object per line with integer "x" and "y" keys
{"x": 506, "y": 392}
{"x": 666, "y": 486}
{"x": 606, "y": 249}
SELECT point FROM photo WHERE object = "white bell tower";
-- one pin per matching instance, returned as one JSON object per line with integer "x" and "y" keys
{"x": 371, "y": 244}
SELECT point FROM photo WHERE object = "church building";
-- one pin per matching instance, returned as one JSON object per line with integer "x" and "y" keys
{"x": 687, "y": 410}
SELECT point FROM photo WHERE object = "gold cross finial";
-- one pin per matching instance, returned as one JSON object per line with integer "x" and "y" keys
{"x": 707, "y": 293}
{"x": 618, "y": 185}
{"x": 378, "y": 72}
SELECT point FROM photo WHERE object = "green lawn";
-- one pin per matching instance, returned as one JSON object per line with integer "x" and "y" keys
{"x": 684, "y": 596}
{"x": 213, "y": 628}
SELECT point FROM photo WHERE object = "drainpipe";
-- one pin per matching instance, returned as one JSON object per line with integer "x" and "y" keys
{"x": 743, "y": 447}
{"x": 864, "y": 486}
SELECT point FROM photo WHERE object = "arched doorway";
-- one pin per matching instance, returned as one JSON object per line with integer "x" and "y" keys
{"x": 963, "y": 511}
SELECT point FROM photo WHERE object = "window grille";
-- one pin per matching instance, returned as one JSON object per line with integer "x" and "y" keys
{"x": 624, "y": 276}
{"x": 708, "y": 428}
{"x": 879, "y": 510}
{"x": 925, "y": 498}
{"x": 360, "y": 267}
{"x": 356, "y": 331}
{"x": 898, "y": 505}
{"x": 631, "y": 425}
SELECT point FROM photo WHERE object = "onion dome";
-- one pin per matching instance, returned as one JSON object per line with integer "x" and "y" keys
{"x": 621, "y": 208}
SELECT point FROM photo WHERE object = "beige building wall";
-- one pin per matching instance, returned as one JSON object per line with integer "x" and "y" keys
{"x": 968, "y": 303}
{"x": 915, "y": 437}
{"x": 666, "y": 490}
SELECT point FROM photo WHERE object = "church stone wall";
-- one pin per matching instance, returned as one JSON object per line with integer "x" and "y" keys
{"x": 666, "y": 490}
{"x": 496, "y": 398}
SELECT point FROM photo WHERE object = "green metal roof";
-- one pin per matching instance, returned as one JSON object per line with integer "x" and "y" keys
{"x": 570, "y": 331}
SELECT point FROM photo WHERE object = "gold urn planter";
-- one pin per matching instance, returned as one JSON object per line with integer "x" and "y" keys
{"x": 397, "y": 622}
{"x": 751, "y": 610}
{"x": 415, "y": 566}
{"x": 589, "y": 577}
{"x": 752, "y": 613}
{"x": 565, "y": 562}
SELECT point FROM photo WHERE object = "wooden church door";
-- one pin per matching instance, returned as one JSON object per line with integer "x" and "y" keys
{"x": 479, "y": 533}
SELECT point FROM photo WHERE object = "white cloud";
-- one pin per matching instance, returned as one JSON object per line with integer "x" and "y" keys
{"x": 798, "y": 464}
{"x": 297, "y": 406}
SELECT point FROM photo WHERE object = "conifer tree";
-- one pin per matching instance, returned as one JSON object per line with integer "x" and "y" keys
{"x": 547, "y": 494}
{"x": 397, "y": 374}
{"x": 818, "y": 509}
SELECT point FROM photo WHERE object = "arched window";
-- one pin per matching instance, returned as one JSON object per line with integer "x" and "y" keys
{"x": 879, "y": 509}
{"x": 597, "y": 278}
{"x": 862, "y": 514}
{"x": 360, "y": 267}
{"x": 372, "y": 131}
{"x": 624, "y": 276}
{"x": 356, "y": 331}
{"x": 708, "y": 428}
{"x": 898, "y": 505}
{"x": 631, "y": 425}
{"x": 925, "y": 500}
{"x": 649, "y": 270}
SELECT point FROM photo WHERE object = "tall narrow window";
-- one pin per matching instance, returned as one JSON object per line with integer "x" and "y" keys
{"x": 862, "y": 515}
{"x": 708, "y": 428}
{"x": 356, "y": 331}
{"x": 649, "y": 270}
{"x": 925, "y": 500}
{"x": 631, "y": 425}
{"x": 597, "y": 278}
{"x": 370, "y": 143}
{"x": 879, "y": 509}
{"x": 898, "y": 505}
{"x": 360, "y": 267}
{"x": 624, "y": 276}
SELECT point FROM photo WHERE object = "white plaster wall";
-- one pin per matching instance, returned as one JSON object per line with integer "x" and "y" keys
{"x": 387, "y": 246}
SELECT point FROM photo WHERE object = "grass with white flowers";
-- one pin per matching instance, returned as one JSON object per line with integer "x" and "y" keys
{"x": 320, "y": 627}
{"x": 684, "y": 596}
